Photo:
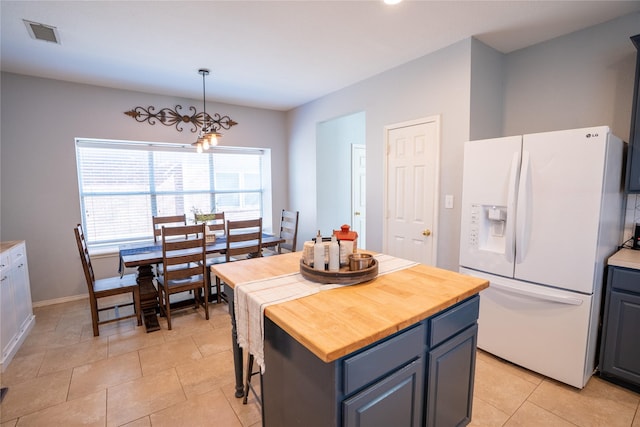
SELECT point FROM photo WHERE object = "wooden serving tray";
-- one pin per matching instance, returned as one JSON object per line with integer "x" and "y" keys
{"x": 342, "y": 277}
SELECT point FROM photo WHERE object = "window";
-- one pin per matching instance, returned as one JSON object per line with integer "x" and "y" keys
{"x": 124, "y": 184}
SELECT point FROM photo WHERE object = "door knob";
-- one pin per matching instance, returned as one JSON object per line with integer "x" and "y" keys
{"x": 426, "y": 232}
{"x": 356, "y": 213}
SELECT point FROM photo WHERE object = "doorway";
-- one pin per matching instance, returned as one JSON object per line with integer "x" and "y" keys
{"x": 411, "y": 190}
{"x": 359, "y": 192}
{"x": 334, "y": 175}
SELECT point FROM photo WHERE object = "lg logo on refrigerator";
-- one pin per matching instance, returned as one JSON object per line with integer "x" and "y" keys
{"x": 591, "y": 135}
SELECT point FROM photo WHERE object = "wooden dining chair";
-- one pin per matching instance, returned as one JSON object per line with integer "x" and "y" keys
{"x": 217, "y": 225}
{"x": 244, "y": 240}
{"x": 159, "y": 221}
{"x": 215, "y": 222}
{"x": 183, "y": 267}
{"x": 102, "y": 288}
{"x": 288, "y": 232}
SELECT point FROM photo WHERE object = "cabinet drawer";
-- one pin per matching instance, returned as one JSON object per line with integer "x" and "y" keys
{"x": 378, "y": 361}
{"x": 625, "y": 279}
{"x": 456, "y": 319}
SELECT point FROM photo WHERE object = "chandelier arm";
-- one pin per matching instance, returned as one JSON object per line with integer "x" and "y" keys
{"x": 209, "y": 125}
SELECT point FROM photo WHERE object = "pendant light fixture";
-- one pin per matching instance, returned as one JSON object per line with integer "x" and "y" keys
{"x": 208, "y": 135}
{"x": 206, "y": 125}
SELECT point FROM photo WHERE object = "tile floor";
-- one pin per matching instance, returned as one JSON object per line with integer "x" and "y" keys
{"x": 63, "y": 376}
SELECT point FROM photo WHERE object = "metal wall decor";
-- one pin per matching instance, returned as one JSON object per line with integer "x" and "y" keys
{"x": 175, "y": 117}
{"x": 208, "y": 126}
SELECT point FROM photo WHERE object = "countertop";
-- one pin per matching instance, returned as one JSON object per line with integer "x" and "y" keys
{"x": 334, "y": 323}
{"x": 5, "y": 246}
{"x": 629, "y": 258}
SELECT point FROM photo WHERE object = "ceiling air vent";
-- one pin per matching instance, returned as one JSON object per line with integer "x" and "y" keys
{"x": 42, "y": 32}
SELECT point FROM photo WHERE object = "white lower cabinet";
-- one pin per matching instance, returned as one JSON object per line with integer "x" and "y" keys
{"x": 16, "y": 313}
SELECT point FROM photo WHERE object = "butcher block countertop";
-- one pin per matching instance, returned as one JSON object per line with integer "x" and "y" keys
{"x": 336, "y": 322}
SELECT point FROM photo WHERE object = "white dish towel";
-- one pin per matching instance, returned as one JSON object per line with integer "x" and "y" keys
{"x": 251, "y": 298}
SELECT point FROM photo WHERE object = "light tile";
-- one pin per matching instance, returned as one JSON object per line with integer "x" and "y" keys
{"x": 199, "y": 411}
{"x": 599, "y": 403}
{"x": 485, "y": 415}
{"x": 206, "y": 374}
{"x": 530, "y": 415}
{"x": 249, "y": 414}
{"x": 74, "y": 321}
{"x": 133, "y": 340}
{"x": 141, "y": 422}
{"x": 74, "y": 355}
{"x": 525, "y": 374}
{"x": 499, "y": 387}
{"x": 185, "y": 322}
{"x": 22, "y": 368}
{"x": 138, "y": 398}
{"x": 168, "y": 355}
{"x": 219, "y": 316}
{"x": 214, "y": 341}
{"x": 108, "y": 329}
{"x": 103, "y": 374}
{"x": 85, "y": 411}
{"x": 38, "y": 342}
{"x": 35, "y": 394}
{"x": 11, "y": 423}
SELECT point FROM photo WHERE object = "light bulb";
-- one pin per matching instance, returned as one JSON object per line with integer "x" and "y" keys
{"x": 205, "y": 143}
{"x": 199, "y": 147}
{"x": 213, "y": 140}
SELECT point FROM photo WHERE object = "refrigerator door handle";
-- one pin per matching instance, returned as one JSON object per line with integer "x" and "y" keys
{"x": 524, "y": 195}
{"x": 541, "y": 295}
{"x": 510, "y": 244}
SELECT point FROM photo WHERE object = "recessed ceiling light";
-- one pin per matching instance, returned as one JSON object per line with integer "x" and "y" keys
{"x": 392, "y": 1}
{"x": 42, "y": 32}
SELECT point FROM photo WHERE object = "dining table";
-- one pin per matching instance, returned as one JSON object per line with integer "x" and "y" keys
{"x": 144, "y": 255}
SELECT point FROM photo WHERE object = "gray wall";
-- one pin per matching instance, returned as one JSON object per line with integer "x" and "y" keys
{"x": 432, "y": 85}
{"x": 39, "y": 184}
{"x": 581, "y": 79}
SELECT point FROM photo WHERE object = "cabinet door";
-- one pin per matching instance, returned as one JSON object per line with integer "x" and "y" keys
{"x": 394, "y": 401}
{"x": 8, "y": 326}
{"x": 621, "y": 347}
{"x": 21, "y": 289}
{"x": 450, "y": 374}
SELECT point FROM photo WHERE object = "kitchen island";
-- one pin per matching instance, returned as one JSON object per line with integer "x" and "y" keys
{"x": 398, "y": 350}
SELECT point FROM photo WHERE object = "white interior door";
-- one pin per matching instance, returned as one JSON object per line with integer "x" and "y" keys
{"x": 359, "y": 193}
{"x": 412, "y": 190}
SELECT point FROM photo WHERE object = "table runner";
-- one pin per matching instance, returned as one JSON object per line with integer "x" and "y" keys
{"x": 251, "y": 299}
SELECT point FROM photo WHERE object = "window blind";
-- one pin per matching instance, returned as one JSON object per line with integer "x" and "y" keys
{"x": 124, "y": 184}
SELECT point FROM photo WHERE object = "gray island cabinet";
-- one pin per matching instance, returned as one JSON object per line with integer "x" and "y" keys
{"x": 620, "y": 343}
{"x": 422, "y": 375}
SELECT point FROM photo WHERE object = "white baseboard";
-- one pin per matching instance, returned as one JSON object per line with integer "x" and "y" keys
{"x": 59, "y": 300}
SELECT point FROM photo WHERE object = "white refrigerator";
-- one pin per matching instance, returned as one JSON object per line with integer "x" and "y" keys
{"x": 541, "y": 213}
